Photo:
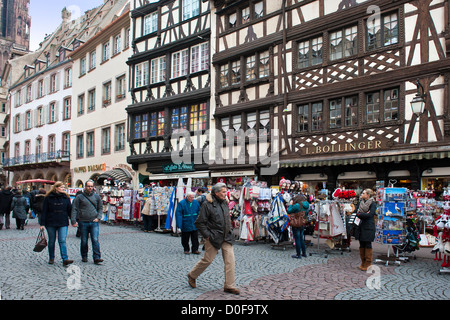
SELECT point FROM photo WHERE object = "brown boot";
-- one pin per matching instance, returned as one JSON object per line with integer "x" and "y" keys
{"x": 368, "y": 255}
{"x": 362, "y": 254}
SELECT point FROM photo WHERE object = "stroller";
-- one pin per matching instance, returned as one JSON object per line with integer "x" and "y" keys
{"x": 411, "y": 242}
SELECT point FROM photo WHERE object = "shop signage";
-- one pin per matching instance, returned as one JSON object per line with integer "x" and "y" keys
{"x": 233, "y": 174}
{"x": 182, "y": 167}
{"x": 91, "y": 168}
{"x": 344, "y": 147}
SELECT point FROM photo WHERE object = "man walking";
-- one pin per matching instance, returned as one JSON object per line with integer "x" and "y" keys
{"x": 186, "y": 214}
{"x": 214, "y": 223}
{"x": 86, "y": 213}
{"x": 6, "y": 198}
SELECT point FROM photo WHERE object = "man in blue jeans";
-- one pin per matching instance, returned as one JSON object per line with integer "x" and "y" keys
{"x": 87, "y": 211}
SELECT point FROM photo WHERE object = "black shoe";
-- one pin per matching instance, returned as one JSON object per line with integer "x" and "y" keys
{"x": 84, "y": 259}
{"x": 67, "y": 262}
{"x": 98, "y": 261}
{"x": 51, "y": 261}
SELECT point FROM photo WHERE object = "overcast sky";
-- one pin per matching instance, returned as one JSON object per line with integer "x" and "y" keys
{"x": 46, "y": 16}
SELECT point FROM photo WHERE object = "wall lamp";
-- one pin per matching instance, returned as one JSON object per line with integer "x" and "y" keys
{"x": 418, "y": 103}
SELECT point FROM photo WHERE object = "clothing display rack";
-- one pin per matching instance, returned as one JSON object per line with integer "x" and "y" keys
{"x": 331, "y": 225}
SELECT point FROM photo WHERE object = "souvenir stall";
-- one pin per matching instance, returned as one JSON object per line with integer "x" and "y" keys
{"x": 331, "y": 220}
{"x": 120, "y": 202}
{"x": 442, "y": 234}
{"x": 391, "y": 222}
{"x": 249, "y": 206}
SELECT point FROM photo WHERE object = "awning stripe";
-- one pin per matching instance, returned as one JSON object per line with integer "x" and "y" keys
{"x": 368, "y": 160}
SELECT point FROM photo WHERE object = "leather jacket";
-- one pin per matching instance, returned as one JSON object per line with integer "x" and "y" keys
{"x": 214, "y": 221}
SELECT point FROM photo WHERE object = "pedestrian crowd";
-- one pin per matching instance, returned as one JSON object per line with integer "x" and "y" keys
{"x": 200, "y": 215}
{"x": 55, "y": 211}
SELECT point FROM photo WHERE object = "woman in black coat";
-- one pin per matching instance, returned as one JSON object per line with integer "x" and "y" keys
{"x": 56, "y": 211}
{"x": 365, "y": 232}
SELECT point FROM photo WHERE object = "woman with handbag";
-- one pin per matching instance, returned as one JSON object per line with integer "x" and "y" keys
{"x": 365, "y": 229}
{"x": 19, "y": 207}
{"x": 56, "y": 211}
{"x": 297, "y": 221}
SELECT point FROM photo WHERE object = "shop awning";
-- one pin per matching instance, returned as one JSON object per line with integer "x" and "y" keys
{"x": 363, "y": 160}
{"x": 115, "y": 174}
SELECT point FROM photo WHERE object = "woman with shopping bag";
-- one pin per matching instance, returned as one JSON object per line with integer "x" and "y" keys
{"x": 56, "y": 211}
{"x": 297, "y": 220}
{"x": 365, "y": 227}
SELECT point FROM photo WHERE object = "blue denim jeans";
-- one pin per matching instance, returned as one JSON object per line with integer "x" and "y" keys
{"x": 299, "y": 240}
{"x": 89, "y": 228}
{"x": 62, "y": 236}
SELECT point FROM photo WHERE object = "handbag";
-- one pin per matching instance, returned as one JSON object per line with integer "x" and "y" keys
{"x": 297, "y": 220}
{"x": 41, "y": 242}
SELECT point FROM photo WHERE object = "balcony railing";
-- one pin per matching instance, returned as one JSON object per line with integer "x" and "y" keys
{"x": 57, "y": 156}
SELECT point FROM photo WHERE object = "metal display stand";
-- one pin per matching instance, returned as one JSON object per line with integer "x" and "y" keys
{"x": 326, "y": 223}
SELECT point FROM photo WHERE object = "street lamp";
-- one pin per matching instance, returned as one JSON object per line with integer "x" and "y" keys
{"x": 418, "y": 103}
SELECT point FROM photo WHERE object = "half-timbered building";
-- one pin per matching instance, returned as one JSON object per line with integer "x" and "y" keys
{"x": 169, "y": 87}
{"x": 333, "y": 81}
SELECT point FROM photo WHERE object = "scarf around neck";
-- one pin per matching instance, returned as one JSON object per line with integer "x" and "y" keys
{"x": 364, "y": 205}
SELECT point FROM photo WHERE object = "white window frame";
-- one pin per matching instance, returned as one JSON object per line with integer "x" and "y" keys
{"x": 158, "y": 70}
{"x": 141, "y": 74}
{"x": 150, "y": 23}
{"x": 180, "y": 63}
{"x": 191, "y": 8}
{"x": 200, "y": 57}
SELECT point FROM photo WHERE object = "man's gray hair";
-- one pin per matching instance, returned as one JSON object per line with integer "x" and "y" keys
{"x": 190, "y": 193}
{"x": 217, "y": 187}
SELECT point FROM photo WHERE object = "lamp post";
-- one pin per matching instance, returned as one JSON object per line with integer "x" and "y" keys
{"x": 418, "y": 103}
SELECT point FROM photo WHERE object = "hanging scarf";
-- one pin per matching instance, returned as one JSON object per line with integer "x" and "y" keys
{"x": 364, "y": 205}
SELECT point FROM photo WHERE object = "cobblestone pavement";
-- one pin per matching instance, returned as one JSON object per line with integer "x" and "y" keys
{"x": 152, "y": 266}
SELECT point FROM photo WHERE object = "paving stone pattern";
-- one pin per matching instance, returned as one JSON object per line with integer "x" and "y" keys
{"x": 152, "y": 266}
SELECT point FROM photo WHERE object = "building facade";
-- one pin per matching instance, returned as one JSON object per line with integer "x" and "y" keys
{"x": 170, "y": 89}
{"x": 100, "y": 90}
{"x": 334, "y": 81}
{"x": 41, "y": 98}
{"x": 15, "y": 24}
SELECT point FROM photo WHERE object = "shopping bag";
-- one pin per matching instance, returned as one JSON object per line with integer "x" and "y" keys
{"x": 41, "y": 242}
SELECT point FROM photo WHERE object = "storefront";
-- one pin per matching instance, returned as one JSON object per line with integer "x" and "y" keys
{"x": 436, "y": 179}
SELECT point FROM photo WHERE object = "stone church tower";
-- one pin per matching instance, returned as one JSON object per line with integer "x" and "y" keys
{"x": 15, "y": 23}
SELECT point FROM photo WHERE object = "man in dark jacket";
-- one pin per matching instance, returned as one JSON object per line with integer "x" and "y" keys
{"x": 187, "y": 213}
{"x": 87, "y": 210}
{"x": 214, "y": 224}
{"x": 6, "y": 197}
